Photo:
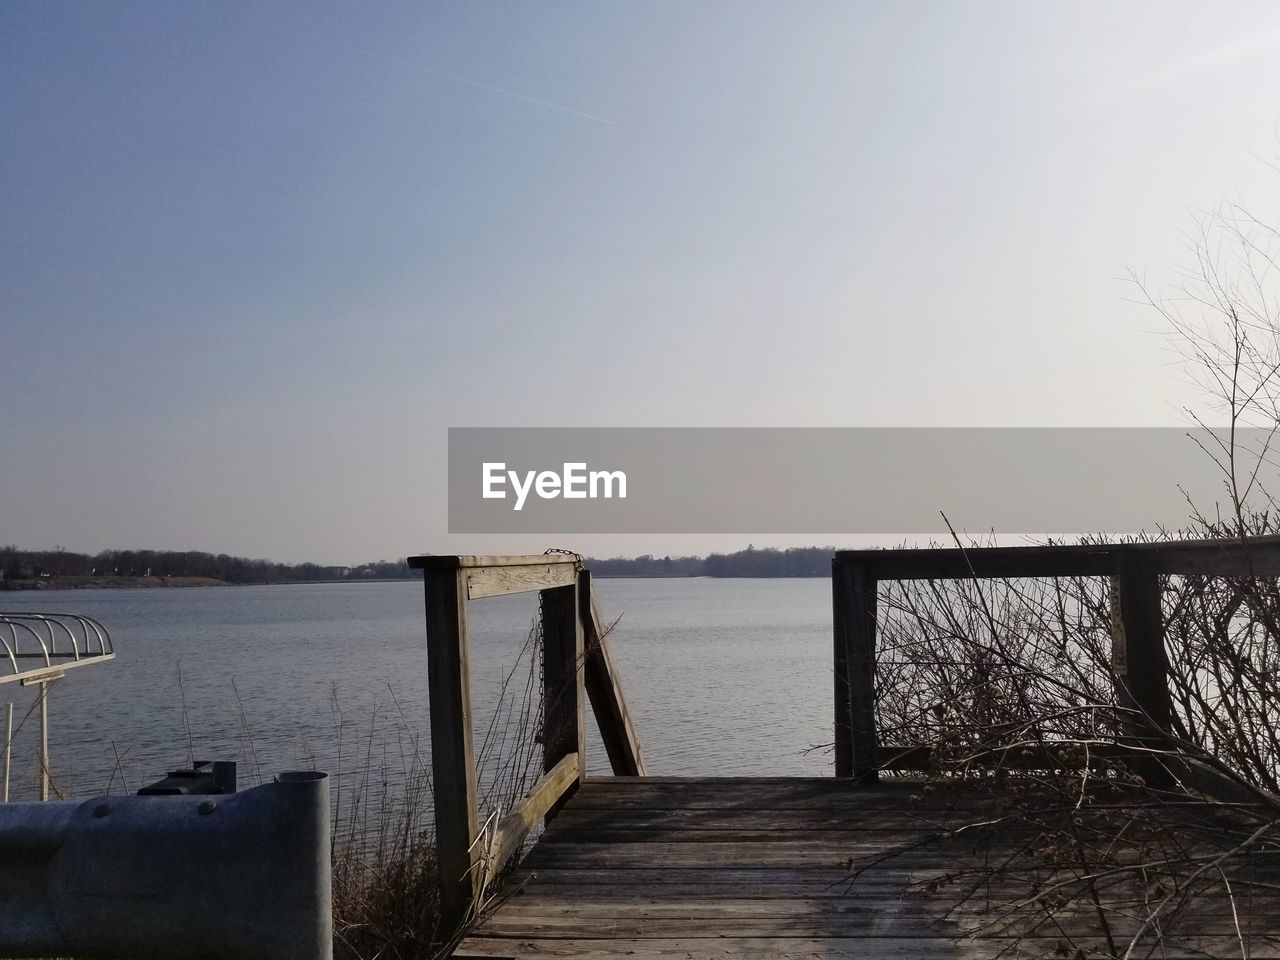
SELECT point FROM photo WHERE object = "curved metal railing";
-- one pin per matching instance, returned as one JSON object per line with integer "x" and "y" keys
{"x": 37, "y": 644}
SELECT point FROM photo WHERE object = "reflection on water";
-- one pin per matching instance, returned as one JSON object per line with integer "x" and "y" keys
{"x": 723, "y": 677}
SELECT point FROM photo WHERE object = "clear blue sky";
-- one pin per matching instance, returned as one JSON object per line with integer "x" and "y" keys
{"x": 258, "y": 257}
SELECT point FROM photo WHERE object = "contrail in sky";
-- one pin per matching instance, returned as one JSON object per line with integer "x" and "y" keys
{"x": 444, "y": 76}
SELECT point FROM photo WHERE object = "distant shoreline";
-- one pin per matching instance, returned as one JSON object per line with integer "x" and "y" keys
{"x": 164, "y": 583}
{"x": 60, "y": 569}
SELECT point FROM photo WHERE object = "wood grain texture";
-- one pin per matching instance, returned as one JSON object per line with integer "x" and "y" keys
{"x": 452, "y": 744}
{"x": 604, "y": 687}
{"x": 829, "y": 948}
{"x": 853, "y": 593}
{"x": 1249, "y": 557}
{"x": 1137, "y": 638}
{"x": 1139, "y": 660}
{"x": 563, "y": 729}
{"x": 955, "y": 563}
{"x": 542, "y": 796}
{"x": 842, "y": 721}
{"x": 500, "y": 581}
{"x": 691, "y": 869}
{"x": 463, "y": 562}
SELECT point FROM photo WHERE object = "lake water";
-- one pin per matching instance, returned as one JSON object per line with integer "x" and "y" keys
{"x": 723, "y": 677}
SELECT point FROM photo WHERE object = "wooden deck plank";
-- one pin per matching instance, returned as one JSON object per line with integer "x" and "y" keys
{"x": 783, "y": 882}
{"x": 711, "y": 854}
{"x": 693, "y": 869}
{"x": 641, "y": 818}
{"x": 828, "y": 948}
{"x": 1076, "y": 925}
{"x": 727, "y": 833}
{"x": 780, "y": 795}
{"x": 575, "y": 906}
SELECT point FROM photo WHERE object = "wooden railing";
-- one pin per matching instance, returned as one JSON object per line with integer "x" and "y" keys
{"x": 1139, "y": 660}
{"x": 577, "y": 664}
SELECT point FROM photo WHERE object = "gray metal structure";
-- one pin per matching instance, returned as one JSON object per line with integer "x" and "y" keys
{"x": 204, "y": 777}
{"x": 243, "y": 876}
{"x": 39, "y": 648}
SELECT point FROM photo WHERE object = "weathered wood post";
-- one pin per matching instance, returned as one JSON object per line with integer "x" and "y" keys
{"x": 452, "y": 747}
{"x": 1138, "y": 657}
{"x": 604, "y": 689}
{"x": 562, "y": 678}
{"x": 853, "y": 591}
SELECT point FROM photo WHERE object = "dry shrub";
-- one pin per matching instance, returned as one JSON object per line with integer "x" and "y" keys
{"x": 385, "y": 871}
{"x": 1106, "y": 852}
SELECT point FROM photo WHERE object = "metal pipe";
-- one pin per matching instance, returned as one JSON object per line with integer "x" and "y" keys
{"x": 136, "y": 876}
{"x": 45, "y": 632}
{"x": 44, "y": 739}
{"x": 104, "y": 643}
{"x": 71, "y": 637}
{"x": 14, "y": 625}
{"x": 10, "y": 650}
{"x": 8, "y": 746}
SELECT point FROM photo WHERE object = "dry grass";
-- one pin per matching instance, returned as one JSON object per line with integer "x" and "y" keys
{"x": 988, "y": 672}
{"x": 385, "y": 872}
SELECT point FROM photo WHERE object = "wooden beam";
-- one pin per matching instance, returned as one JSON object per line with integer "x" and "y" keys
{"x": 984, "y": 562}
{"x": 1218, "y": 558}
{"x": 1226, "y": 557}
{"x": 1138, "y": 656}
{"x": 465, "y": 561}
{"x": 1213, "y": 783}
{"x": 452, "y": 747}
{"x": 542, "y": 796}
{"x": 496, "y": 576}
{"x": 604, "y": 687}
{"x": 853, "y": 587}
{"x": 840, "y": 670}
{"x": 499, "y": 581}
{"x": 562, "y": 677}
{"x": 862, "y": 666}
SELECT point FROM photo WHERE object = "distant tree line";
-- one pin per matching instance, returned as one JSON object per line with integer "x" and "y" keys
{"x": 767, "y": 562}
{"x": 16, "y": 564}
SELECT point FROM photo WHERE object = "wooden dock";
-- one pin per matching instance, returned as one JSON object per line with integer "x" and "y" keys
{"x": 852, "y": 866}
{"x": 812, "y": 868}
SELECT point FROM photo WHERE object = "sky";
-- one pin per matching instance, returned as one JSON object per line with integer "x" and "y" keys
{"x": 257, "y": 258}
